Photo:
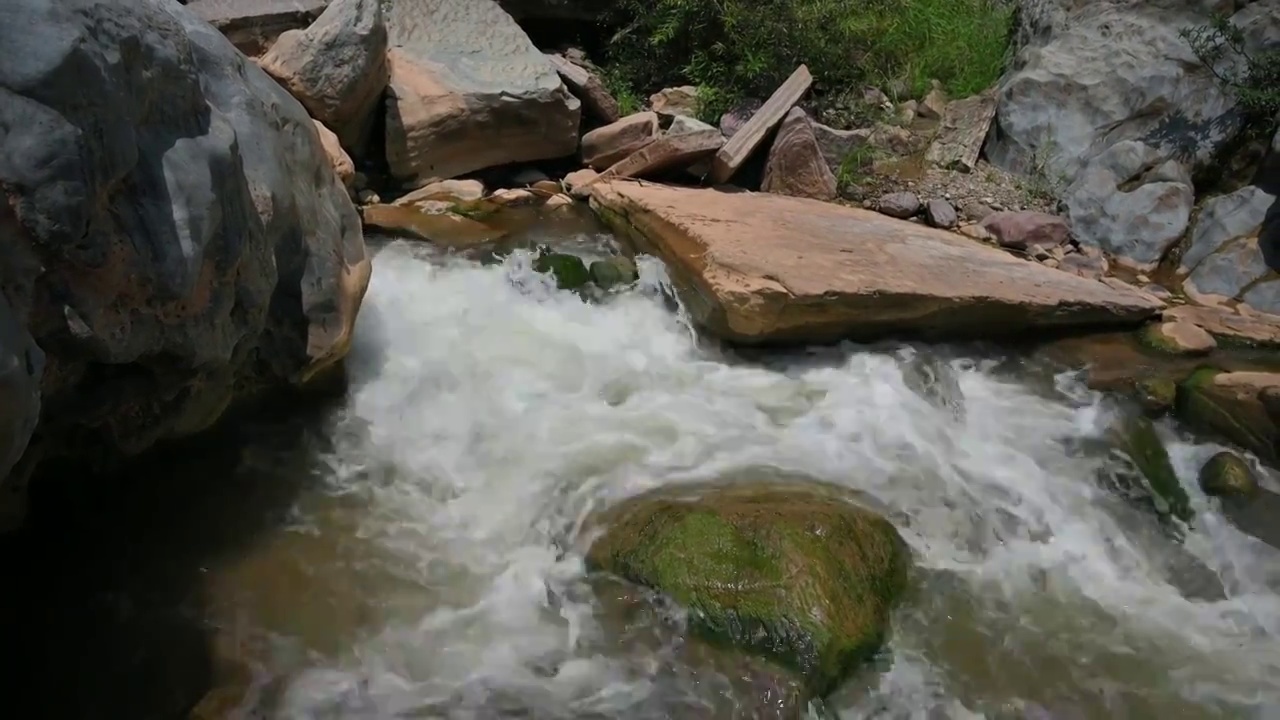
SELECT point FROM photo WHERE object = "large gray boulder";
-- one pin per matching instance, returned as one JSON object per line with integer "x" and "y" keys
{"x": 1226, "y": 258}
{"x": 1089, "y": 77}
{"x": 469, "y": 91}
{"x": 174, "y": 236}
{"x": 337, "y": 68}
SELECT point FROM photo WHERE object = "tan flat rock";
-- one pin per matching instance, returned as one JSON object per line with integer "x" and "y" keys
{"x": 1228, "y": 326}
{"x": 762, "y": 268}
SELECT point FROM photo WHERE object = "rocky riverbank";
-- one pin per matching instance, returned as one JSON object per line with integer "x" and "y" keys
{"x": 184, "y": 232}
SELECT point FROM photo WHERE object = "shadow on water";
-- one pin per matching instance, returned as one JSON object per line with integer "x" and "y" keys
{"x": 103, "y": 600}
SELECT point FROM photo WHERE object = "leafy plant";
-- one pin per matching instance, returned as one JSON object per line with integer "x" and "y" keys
{"x": 737, "y": 48}
{"x": 1252, "y": 77}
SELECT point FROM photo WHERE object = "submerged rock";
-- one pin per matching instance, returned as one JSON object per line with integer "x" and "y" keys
{"x": 795, "y": 573}
{"x": 1156, "y": 396}
{"x": 1228, "y": 475}
{"x": 936, "y": 382}
{"x": 1137, "y": 436}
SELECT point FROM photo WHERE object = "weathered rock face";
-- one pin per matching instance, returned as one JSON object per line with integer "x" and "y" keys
{"x": 337, "y": 67}
{"x": 795, "y": 165}
{"x": 587, "y": 87}
{"x": 173, "y": 233}
{"x": 468, "y": 91}
{"x": 758, "y": 268}
{"x": 1225, "y": 259}
{"x": 796, "y": 573}
{"x": 1108, "y": 101}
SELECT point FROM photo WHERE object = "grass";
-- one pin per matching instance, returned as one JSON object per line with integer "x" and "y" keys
{"x": 855, "y": 168}
{"x": 746, "y": 48}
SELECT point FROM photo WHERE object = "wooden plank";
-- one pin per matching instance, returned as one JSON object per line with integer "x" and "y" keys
{"x": 748, "y": 138}
{"x": 961, "y": 133}
{"x": 670, "y": 152}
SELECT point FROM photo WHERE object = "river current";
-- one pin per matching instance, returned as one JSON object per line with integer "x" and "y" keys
{"x": 413, "y": 551}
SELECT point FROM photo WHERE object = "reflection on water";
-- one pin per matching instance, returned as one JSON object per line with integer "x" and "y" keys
{"x": 412, "y": 550}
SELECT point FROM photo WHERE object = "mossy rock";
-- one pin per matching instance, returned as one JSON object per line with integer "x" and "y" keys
{"x": 569, "y": 270}
{"x": 1228, "y": 475}
{"x": 1157, "y": 396}
{"x": 1137, "y": 436}
{"x": 796, "y": 573}
{"x": 1240, "y": 420}
{"x": 614, "y": 272}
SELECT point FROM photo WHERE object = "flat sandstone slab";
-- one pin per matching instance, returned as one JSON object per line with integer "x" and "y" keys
{"x": 764, "y": 268}
{"x": 252, "y": 25}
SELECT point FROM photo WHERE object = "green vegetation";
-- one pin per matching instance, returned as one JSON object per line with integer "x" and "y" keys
{"x": 856, "y": 167}
{"x": 1253, "y": 78}
{"x": 733, "y": 49}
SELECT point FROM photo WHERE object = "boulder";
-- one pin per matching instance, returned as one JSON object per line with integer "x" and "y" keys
{"x": 587, "y": 87}
{"x": 1230, "y": 404}
{"x": 762, "y": 268}
{"x": 577, "y": 181}
{"x": 468, "y": 90}
{"x": 613, "y": 272}
{"x": 1226, "y": 474}
{"x": 795, "y": 165}
{"x": 681, "y": 100}
{"x": 964, "y": 124}
{"x": 337, "y": 68}
{"x": 568, "y": 270}
{"x": 341, "y": 163}
{"x": 901, "y": 205}
{"x": 1131, "y": 203}
{"x": 683, "y": 144}
{"x": 253, "y": 25}
{"x": 1179, "y": 337}
{"x": 606, "y": 145}
{"x": 797, "y": 573}
{"x": 837, "y": 146}
{"x": 940, "y": 214}
{"x": 1224, "y": 258}
{"x": 1020, "y": 230}
{"x": 934, "y": 104}
{"x": 1090, "y": 75}
{"x": 175, "y": 237}
{"x": 740, "y": 147}
{"x": 443, "y": 228}
{"x": 446, "y": 191}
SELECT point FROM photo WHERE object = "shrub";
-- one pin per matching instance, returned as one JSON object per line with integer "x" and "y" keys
{"x": 1252, "y": 77}
{"x": 737, "y": 48}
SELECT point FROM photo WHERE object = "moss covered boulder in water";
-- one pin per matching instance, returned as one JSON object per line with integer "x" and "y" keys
{"x": 614, "y": 272}
{"x": 569, "y": 270}
{"x": 1233, "y": 405}
{"x": 796, "y": 573}
{"x": 1137, "y": 436}
{"x": 1228, "y": 475}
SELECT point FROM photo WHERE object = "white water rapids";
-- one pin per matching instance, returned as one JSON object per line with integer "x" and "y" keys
{"x": 436, "y": 575}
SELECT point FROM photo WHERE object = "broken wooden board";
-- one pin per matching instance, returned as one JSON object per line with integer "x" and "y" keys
{"x": 738, "y": 150}
{"x": 960, "y": 135}
{"x": 670, "y": 152}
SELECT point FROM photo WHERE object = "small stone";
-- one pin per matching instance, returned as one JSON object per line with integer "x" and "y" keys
{"x": 1020, "y": 230}
{"x": 1084, "y": 265}
{"x": 940, "y": 214}
{"x": 1157, "y": 291}
{"x": 976, "y": 210}
{"x": 874, "y": 97}
{"x": 614, "y": 272}
{"x": 1228, "y": 475}
{"x": 1039, "y": 253}
{"x": 681, "y": 100}
{"x": 548, "y": 187}
{"x": 1051, "y": 262}
{"x": 901, "y": 205}
{"x": 368, "y": 197}
{"x": 906, "y": 112}
{"x": 976, "y": 231}
{"x": 1143, "y": 279}
{"x": 448, "y": 191}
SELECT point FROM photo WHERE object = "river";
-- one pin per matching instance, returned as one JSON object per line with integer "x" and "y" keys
{"x": 411, "y": 551}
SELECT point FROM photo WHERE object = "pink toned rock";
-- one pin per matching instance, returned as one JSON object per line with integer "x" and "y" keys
{"x": 795, "y": 165}
{"x": 1020, "y": 230}
{"x": 576, "y": 182}
{"x": 338, "y": 158}
{"x": 765, "y": 268}
{"x": 1181, "y": 336}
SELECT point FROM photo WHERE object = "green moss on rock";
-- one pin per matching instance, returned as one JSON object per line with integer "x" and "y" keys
{"x": 614, "y": 272}
{"x": 1138, "y": 438}
{"x": 1228, "y": 475}
{"x": 1241, "y": 420}
{"x": 1156, "y": 395}
{"x": 569, "y": 270}
{"x": 795, "y": 573}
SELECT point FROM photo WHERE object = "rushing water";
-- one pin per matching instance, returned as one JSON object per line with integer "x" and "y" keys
{"x": 420, "y": 557}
